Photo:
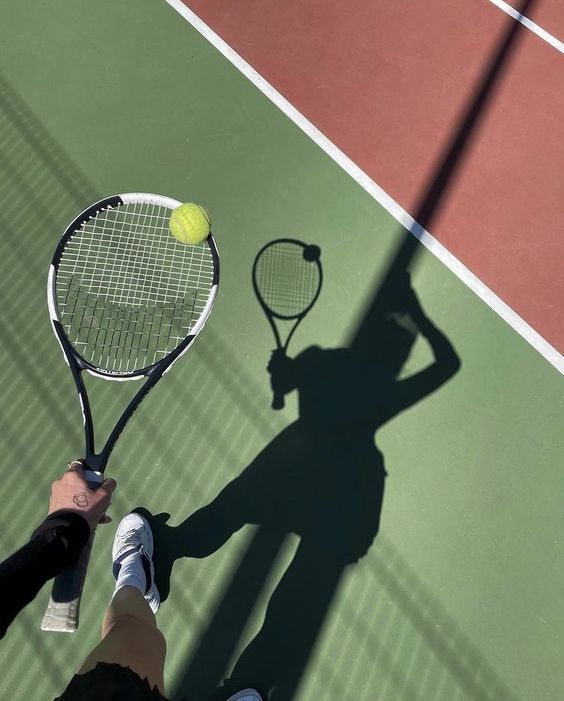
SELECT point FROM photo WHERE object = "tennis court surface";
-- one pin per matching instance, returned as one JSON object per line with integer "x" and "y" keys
{"x": 373, "y": 131}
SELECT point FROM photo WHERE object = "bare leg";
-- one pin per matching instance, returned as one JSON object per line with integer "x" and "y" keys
{"x": 130, "y": 638}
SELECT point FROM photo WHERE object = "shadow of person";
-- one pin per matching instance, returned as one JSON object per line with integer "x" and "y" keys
{"x": 322, "y": 478}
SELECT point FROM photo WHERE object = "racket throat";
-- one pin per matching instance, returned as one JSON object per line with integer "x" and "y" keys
{"x": 96, "y": 465}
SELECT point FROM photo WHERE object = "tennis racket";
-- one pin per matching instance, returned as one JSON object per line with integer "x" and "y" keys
{"x": 287, "y": 279}
{"x": 126, "y": 300}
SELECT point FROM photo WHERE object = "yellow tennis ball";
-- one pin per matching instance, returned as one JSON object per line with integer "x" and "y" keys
{"x": 190, "y": 223}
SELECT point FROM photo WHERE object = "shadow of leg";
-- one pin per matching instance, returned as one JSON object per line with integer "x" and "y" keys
{"x": 210, "y": 659}
{"x": 279, "y": 654}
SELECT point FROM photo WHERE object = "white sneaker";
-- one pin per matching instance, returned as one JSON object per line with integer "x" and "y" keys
{"x": 134, "y": 535}
{"x": 246, "y": 695}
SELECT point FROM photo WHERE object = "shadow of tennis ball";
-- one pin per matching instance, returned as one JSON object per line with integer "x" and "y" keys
{"x": 311, "y": 253}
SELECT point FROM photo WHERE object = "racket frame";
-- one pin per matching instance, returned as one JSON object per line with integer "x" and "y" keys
{"x": 62, "y": 613}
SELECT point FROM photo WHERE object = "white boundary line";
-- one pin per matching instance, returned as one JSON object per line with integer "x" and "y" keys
{"x": 391, "y": 206}
{"x": 539, "y": 31}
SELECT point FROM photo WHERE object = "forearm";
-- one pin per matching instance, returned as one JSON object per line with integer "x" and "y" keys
{"x": 55, "y": 544}
{"x": 442, "y": 348}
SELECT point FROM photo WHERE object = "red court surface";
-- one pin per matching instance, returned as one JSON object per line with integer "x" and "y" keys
{"x": 389, "y": 84}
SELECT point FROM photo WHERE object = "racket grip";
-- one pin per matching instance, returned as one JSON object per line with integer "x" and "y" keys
{"x": 63, "y": 609}
{"x": 278, "y": 401}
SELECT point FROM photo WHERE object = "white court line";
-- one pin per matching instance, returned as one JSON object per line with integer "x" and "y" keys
{"x": 539, "y": 31}
{"x": 391, "y": 206}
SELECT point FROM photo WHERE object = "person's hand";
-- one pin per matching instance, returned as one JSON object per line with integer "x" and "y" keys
{"x": 279, "y": 362}
{"x": 281, "y": 368}
{"x": 72, "y": 493}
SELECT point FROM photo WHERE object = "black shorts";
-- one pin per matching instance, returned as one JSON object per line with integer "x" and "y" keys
{"x": 110, "y": 682}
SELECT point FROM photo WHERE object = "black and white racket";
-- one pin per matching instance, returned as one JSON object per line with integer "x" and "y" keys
{"x": 287, "y": 279}
{"x": 126, "y": 300}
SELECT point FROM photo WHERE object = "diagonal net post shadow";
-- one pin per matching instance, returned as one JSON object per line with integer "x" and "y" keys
{"x": 212, "y": 652}
{"x": 450, "y": 161}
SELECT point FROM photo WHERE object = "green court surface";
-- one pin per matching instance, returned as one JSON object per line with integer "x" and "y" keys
{"x": 460, "y": 595}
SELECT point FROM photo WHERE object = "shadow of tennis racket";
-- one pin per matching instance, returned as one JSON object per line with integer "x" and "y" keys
{"x": 287, "y": 278}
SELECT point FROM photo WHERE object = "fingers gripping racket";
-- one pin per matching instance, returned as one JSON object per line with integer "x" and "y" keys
{"x": 287, "y": 279}
{"x": 126, "y": 300}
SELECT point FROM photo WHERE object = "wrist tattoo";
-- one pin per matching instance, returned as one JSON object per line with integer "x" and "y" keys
{"x": 81, "y": 499}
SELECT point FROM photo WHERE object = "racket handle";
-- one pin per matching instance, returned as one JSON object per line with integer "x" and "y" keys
{"x": 62, "y": 611}
{"x": 278, "y": 401}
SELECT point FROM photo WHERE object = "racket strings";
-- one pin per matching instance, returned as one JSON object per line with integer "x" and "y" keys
{"x": 128, "y": 292}
{"x": 287, "y": 282}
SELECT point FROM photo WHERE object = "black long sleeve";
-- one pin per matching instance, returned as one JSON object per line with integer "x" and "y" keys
{"x": 56, "y": 543}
